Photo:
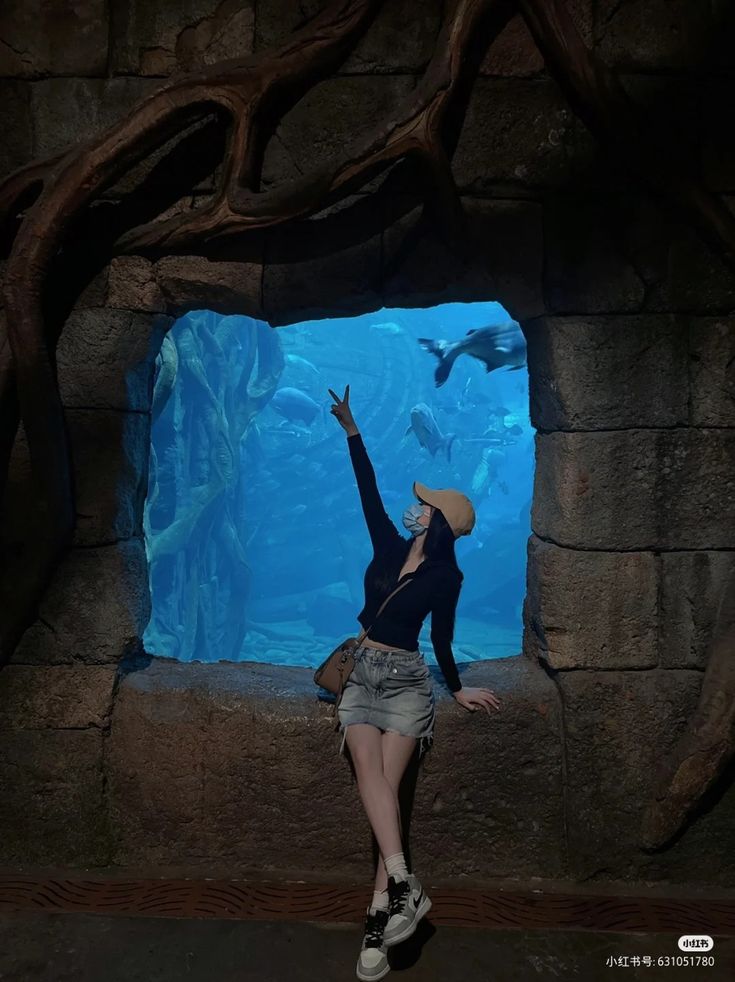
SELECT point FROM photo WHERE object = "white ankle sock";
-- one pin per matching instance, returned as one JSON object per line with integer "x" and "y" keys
{"x": 395, "y": 866}
{"x": 380, "y": 900}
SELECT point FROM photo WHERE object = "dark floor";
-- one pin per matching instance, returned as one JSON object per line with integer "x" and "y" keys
{"x": 57, "y": 926}
{"x": 42, "y": 947}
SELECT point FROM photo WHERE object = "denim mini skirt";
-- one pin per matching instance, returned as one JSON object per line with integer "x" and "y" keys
{"x": 391, "y": 690}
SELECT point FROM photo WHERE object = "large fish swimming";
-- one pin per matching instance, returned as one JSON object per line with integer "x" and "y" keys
{"x": 298, "y": 362}
{"x": 295, "y": 406}
{"x": 496, "y": 345}
{"x": 427, "y": 431}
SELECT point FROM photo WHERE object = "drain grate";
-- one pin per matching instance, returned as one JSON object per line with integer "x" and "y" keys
{"x": 248, "y": 900}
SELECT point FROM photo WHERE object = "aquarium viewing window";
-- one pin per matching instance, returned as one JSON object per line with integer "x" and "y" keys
{"x": 255, "y": 536}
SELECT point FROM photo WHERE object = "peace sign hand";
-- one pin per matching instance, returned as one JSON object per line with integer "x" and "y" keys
{"x": 342, "y": 410}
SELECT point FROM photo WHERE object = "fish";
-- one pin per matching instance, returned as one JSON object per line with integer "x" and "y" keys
{"x": 506, "y": 435}
{"x": 295, "y": 406}
{"x": 297, "y": 361}
{"x": 268, "y": 486}
{"x": 293, "y": 429}
{"x": 388, "y": 327}
{"x": 488, "y": 440}
{"x": 427, "y": 431}
{"x": 512, "y": 417}
{"x": 315, "y": 471}
{"x": 496, "y": 345}
{"x": 486, "y": 471}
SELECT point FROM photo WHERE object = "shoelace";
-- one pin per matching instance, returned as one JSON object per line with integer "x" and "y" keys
{"x": 399, "y": 896}
{"x": 374, "y": 928}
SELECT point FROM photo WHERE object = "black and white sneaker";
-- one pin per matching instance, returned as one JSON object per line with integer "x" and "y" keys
{"x": 407, "y": 905}
{"x": 372, "y": 962}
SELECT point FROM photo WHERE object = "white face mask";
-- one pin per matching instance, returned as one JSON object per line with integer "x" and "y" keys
{"x": 411, "y": 519}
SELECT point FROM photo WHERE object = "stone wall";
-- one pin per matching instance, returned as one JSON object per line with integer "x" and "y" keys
{"x": 115, "y": 759}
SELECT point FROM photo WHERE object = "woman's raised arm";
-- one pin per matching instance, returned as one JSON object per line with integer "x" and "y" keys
{"x": 383, "y": 533}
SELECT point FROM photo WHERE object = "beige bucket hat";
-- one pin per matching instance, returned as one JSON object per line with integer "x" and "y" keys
{"x": 454, "y": 506}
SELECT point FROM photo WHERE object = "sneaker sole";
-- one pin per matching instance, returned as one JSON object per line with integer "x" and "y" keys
{"x": 423, "y": 909}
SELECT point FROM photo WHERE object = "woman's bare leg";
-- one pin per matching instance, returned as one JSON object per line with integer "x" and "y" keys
{"x": 378, "y": 795}
{"x": 397, "y": 752}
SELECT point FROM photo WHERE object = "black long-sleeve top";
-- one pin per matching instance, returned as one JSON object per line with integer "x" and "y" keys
{"x": 434, "y": 586}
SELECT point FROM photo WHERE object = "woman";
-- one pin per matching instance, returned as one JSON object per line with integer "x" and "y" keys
{"x": 388, "y": 703}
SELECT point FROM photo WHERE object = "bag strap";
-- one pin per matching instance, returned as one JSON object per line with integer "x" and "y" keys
{"x": 367, "y": 630}
{"x": 364, "y": 635}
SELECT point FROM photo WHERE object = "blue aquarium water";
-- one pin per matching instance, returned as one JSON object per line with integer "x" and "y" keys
{"x": 256, "y": 541}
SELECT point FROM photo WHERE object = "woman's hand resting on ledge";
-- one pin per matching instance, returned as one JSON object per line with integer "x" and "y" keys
{"x": 474, "y": 698}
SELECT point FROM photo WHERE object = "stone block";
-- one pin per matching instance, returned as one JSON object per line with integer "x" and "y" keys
{"x": 400, "y": 39}
{"x": 40, "y": 38}
{"x": 585, "y": 270}
{"x": 52, "y": 809}
{"x": 699, "y": 279}
{"x": 655, "y": 35}
{"x": 680, "y": 272}
{"x": 712, "y": 370}
{"x": 106, "y": 358}
{"x": 110, "y": 451}
{"x": 315, "y": 133}
{"x": 95, "y": 609}
{"x": 156, "y": 37}
{"x": 94, "y": 294}
{"x": 132, "y": 285}
{"x": 461, "y": 811}
{"x": 672, "y": 108}
{"x": 505, "y": 259}
{"x": 591, "y": 609}
{"x": 514, "y": 52}
{"x": 691, "y": 588}
{"x": 607, "y": 372}
{"x": 240, "y": 763}
{"x": 717, "y": 140}
{"x": 55, "y": 697}
{"x": 194, "y": 283}
{"x": 519, "y": 134}
{"x": 68, "y": 111}
{"x": 311, "y": 273}
{"x": 636, "y": 489}
{"x": 20, "y": 512}
{"x": 15, "y": 118}
{"x": 619, "y": 726}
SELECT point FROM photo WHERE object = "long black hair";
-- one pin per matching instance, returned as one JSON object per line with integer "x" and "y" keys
{"x": 382, "y": 574}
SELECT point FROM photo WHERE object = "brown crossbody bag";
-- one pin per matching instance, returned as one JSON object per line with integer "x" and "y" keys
{"x": 334, "y": 671}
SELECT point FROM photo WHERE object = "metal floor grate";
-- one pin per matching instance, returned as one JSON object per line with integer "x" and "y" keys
{"x": 248, "y": 900}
